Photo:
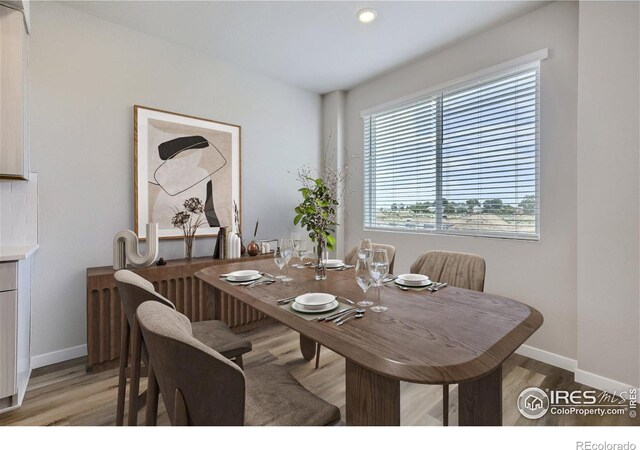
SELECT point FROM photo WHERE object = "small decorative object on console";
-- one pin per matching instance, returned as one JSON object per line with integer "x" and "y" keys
{"x": 125, "y": 248}
{"x": 253, "y": 248}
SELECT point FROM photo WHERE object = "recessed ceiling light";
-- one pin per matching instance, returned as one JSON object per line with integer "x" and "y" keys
{"x": 367, "y": 15}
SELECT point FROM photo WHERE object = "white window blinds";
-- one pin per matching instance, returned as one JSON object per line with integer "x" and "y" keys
{"x": 463, "y": 160}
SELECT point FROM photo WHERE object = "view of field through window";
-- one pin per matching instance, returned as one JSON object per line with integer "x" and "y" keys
{"x": 462, "y": 161}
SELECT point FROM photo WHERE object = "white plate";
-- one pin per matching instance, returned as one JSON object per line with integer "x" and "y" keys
{"x": 314, "y": 300}
{"x": 257, "y": 276}
{"x": 244, "y": 274}
{"x": 329, "y": 307}
{"x": 414, "y": 279}
{"x": 403, "y": 283}
{"x": 333, "y": 263}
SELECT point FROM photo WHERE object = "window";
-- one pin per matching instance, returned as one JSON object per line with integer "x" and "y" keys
{"x": 461, "y": 160}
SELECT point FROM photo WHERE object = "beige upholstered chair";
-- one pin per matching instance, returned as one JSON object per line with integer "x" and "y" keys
{"x": 133, "y": 290}
{"x": 462, "y": 270}
{"x": 201, "y": 387}
{"x": 352, "y": 258}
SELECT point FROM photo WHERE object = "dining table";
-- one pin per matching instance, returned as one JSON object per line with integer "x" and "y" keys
{"x": 449, "y": 336}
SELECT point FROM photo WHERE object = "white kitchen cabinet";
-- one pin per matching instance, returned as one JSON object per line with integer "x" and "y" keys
{"x": 14, "y": 137}
{"x": 15, "y": 332}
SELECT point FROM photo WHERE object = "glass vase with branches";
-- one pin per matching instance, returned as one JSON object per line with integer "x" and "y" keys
{"x": 188, "y": 221}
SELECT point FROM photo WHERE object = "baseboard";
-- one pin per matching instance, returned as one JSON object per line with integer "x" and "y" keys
{"x": 58, "y": 356}
{"x": 602, "y": 383}
{"x": 547, "y": 357}
{"x": 580, "y": 376}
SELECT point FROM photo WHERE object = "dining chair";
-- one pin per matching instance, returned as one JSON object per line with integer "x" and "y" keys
{"x": 133, "y": 290}
{"x": 463, "y": 270}
{"x": 200, "y": 387}
{"x": 351, "y": 258}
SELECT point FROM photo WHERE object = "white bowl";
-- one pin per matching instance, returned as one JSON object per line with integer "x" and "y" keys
{"x": 413, "y": 279}
{"x": 333, "y": 263}
{"x": 243, "y": 275}
{"x": 315, "y": 300}
{"x": 326, "y": 308}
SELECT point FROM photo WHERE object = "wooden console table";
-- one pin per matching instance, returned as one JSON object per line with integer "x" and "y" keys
{"x": 175, "y": 281}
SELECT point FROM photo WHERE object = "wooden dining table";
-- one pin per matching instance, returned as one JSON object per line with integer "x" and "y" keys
{"x": 452, "y": 336}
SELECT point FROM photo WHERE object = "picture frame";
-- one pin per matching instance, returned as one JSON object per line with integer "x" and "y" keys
{"x": 178, "y": 156}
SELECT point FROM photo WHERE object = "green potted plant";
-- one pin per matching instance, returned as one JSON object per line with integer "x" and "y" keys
{"x": 317, "y": 213}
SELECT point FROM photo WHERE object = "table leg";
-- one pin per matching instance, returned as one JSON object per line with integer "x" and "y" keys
{"x": 480, "y": 401}
{"x": 307, "y": 347}
{"x": 372, "y": 399}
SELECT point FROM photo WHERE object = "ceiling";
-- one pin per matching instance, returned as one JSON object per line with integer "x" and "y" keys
{"x": 316, "y": 45}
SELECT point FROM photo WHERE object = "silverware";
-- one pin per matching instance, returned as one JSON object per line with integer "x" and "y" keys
{"x": 284, "y": 301}
{"x": 437, "y": 286}
{"x": 334, "y": 315}
{"x": 346, "y": 300}
{"x": 347, "y": 319}
{"x": 402, "y": 288}
{"x": 354, "y": 311}
{"x": 260, "y": 283}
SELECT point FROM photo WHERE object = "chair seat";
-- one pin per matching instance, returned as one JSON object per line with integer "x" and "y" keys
{"x": 274, "y": 397}
{"x": 217, "y": 335}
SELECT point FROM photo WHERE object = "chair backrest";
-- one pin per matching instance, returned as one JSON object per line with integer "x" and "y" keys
{"x": 134, "y": 290}
{"x": 463, "y": 270}
{"x": 195, "y": 381}
{"x": 352, "y": 256}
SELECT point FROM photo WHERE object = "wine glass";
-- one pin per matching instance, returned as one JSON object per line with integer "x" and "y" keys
{"x": 365, "y": 245}
{"x": 379, "y": 269}
{"x": 363, "y": 278}
{"x": 300, "y": 248}
{"x": 287, "y": 252}
{"x": 297, "y": 242}
{"x": 280, "y": 260}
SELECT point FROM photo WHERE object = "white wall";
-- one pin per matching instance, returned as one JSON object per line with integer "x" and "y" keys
{"x": 609, "y": 192}
{"x": 85, "y": 76}
{"x": 334, "y": 154}
{"x": 541, "y": 274}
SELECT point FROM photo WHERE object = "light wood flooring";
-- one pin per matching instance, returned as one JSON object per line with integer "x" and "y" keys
{"x": 64, "y": 394}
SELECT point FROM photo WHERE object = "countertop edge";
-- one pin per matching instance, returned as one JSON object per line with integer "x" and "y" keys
{"x": 17, "y": 253}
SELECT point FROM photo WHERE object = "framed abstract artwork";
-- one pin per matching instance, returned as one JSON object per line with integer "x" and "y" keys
{"x": 178, "y": 157}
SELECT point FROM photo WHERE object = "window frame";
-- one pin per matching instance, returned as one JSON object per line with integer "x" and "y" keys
{"x": 530, "y": 61}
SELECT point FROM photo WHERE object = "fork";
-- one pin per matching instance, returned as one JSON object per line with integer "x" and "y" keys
{"x": 437, "y": 286}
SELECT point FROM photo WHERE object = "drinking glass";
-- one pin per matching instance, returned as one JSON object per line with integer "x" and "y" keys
{"x": 379, "y": 269}
{"x": 287, "y": 252}
{"x": 364, "y": 247}
{"x": 280, "y": 260}
{"x": 363, "y": 278}
{"x": 300, "y": 249}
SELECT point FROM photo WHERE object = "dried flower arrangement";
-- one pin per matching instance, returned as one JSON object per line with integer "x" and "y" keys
{"x": 188, "y": 221}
